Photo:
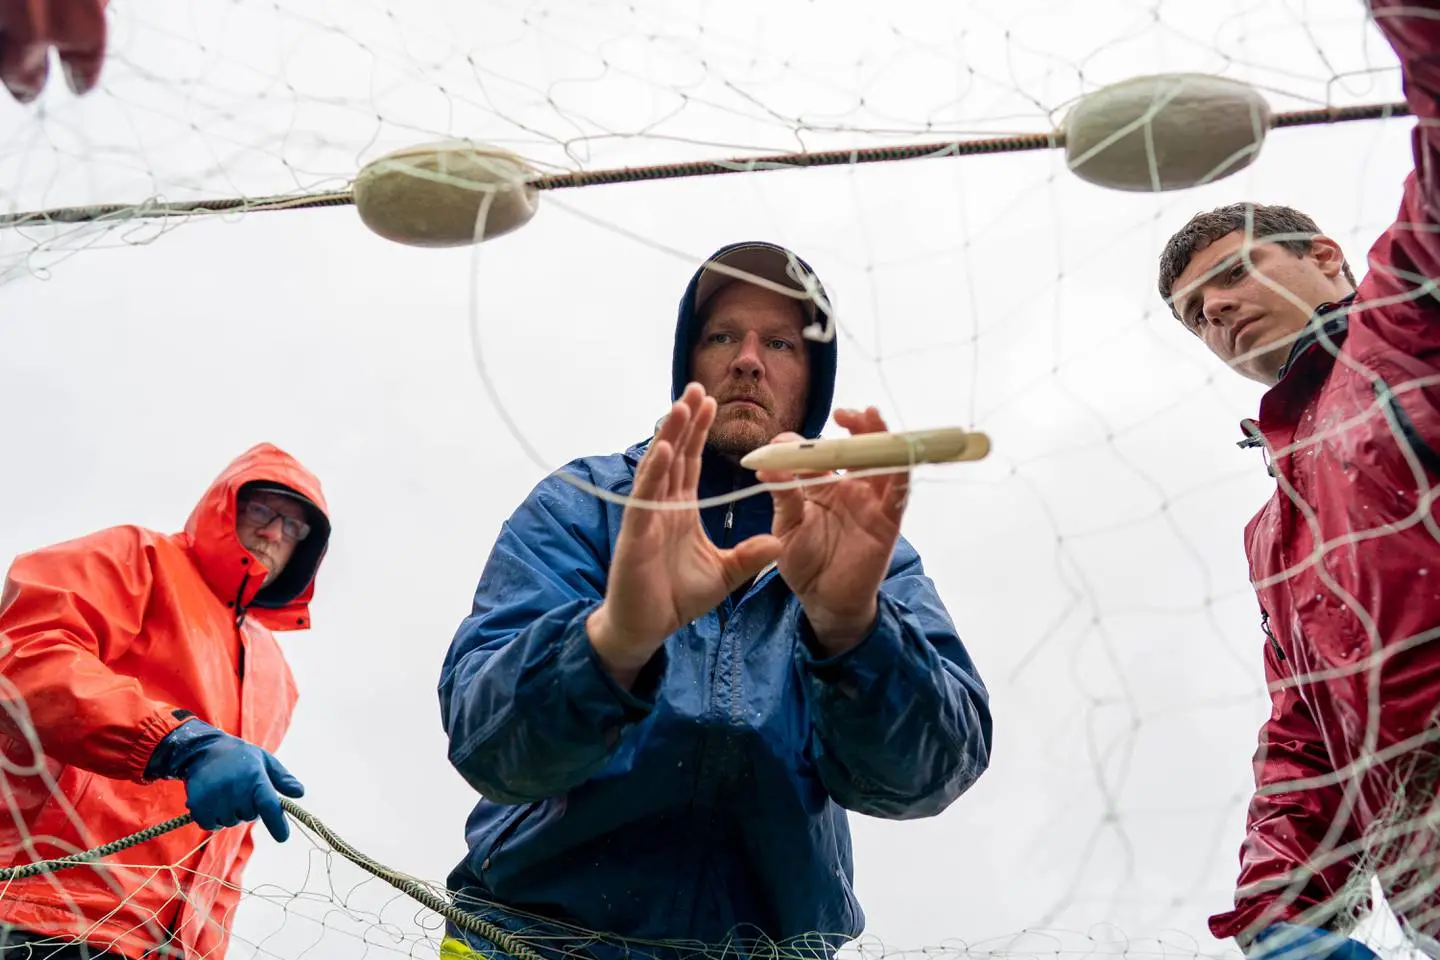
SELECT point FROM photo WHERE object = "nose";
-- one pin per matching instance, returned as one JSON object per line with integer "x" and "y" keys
{"x": 1219, "y": 307}
{"x": 274, "y": 530}
{"x": 747, "y": 361}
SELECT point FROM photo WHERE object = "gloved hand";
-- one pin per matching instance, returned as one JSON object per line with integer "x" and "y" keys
{"x": 227, "y": 780}
{"x": 1292, "y": 941}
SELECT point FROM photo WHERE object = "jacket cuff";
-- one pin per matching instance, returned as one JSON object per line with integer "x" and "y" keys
{"x": 1240, "y": 922}
{"x": 149, "y": 754}
{"x": 858, "y": 670}
{"x": 587, "y": 683}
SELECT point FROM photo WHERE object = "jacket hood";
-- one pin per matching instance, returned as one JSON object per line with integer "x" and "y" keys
{"x": 823, "y": 356}
{"x": 235, "y": 574}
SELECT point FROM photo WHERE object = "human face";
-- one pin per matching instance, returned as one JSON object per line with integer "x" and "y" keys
{"x": 1236, "y": 308}
{"x": 270, "y": 525}
{"x": 752, "y": 359}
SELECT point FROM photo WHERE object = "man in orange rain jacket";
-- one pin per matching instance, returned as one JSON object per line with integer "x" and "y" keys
{"x": 139, "y": 678}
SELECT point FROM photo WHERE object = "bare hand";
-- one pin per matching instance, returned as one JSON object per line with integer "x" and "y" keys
{"x": 28, "y": 28}
{"x": 837, "y": 540}
{"x": 666, "y": 571}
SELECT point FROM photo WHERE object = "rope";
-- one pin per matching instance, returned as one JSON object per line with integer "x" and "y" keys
{"x": 411, "y": 887}
{"x": 668, "y": 171}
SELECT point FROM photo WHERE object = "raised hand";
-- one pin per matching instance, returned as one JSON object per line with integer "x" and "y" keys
{"x": 837, "y": 540}
{"x": 666, "y": 571}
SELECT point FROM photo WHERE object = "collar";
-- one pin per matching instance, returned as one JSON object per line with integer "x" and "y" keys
{"x": 1303, "y": 367}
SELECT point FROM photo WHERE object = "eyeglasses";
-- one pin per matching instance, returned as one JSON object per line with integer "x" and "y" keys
{"x": 262, "y": 515}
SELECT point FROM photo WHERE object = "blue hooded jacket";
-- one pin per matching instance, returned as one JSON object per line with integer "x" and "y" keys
{"x": 709, "y": 801}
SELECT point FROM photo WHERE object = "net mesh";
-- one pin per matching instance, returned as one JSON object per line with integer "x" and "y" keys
{"x": 1093, "y": 563}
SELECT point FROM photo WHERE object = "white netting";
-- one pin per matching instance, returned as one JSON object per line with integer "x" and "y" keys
{"x": 1093, "y": 562}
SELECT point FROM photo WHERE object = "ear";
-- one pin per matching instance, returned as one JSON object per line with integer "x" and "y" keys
{"x": 1326, "y": 254}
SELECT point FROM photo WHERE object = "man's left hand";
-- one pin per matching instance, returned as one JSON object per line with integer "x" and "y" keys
{"x": 837, "y": 540}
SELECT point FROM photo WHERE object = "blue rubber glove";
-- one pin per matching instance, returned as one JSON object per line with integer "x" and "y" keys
{"x": 1291, "y": 941}
{"x": 227, "y": 780}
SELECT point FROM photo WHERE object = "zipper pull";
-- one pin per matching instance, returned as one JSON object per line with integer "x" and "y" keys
{"x": 729, "y": 516}
{"x": 1265, "y": 625}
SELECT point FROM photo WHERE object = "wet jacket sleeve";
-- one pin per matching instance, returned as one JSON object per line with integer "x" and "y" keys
{"x": 529, "y": 710}
{"x": 67, "y": 614}
{"x": 1290, "y": 860}
{"x": 900, "y": 722}
{"x": 1406, "y": 257}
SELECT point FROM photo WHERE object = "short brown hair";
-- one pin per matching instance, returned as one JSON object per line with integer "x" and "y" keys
{"x": 1293, "y": 227}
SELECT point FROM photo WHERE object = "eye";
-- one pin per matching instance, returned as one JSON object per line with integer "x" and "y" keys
{"x": 718, "y": 337}
{"x": 781, "y": 344}
{"x": 1236, "y": 272}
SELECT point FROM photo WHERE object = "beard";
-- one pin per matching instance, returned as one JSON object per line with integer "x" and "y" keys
{"x": 734, "y": 442}
{"x": 267, "y": 560}
{"x": 736, "y": 433}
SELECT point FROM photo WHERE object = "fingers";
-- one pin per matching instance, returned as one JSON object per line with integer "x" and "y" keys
{"x": 861, "y": 421}
{"x": 749, "y": 557}
{"x": 214, "y": 811}
{"x": 24, "y": 47}
{"x": 24, "y": 65}
{"x": 789, "y": 503}
{"x": 266, "y": 803}
{"x": 28, "y": 28}
{"x": 78, "y": 31}
{"x": 652, "y": 476}
{"x": 675, "y": 422}
{"x": 202, "y": 817}
{"x": 688, "y": 480}
{"x": 893, "y": 489}
{"x": 671, "y": 467}
{"x": 282, "y": 779}
{"x": 897, "y": 494}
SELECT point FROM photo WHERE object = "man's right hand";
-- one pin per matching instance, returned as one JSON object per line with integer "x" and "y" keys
{"x": 666, "y": 571}
{"x": 227, "y": 780}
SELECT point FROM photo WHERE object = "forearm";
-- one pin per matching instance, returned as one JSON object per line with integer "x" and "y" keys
{"x": 1287, "y": 873}
{"x": 1296, "y": 853}
{"x": 79, "y": 711}
{"x": 901, "y": 730}
{"x": 535, "y": 714}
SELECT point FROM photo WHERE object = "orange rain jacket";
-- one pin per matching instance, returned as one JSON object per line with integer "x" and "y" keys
{"x": 107, "y": 643}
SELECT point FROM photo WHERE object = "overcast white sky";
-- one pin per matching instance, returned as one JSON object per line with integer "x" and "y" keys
{"x": 1093, "y": 563}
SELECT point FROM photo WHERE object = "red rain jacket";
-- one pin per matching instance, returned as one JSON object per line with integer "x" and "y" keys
{"x": 105, "y": 642}
{"x": 1345, "y": 556}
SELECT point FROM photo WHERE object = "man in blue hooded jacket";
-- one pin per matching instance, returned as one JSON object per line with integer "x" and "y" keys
{"x": 668, "y": 712}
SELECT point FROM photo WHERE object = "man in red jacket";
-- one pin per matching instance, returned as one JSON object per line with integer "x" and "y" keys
{"x": 139, "y": 677}
{"x": 1345, "y": 557}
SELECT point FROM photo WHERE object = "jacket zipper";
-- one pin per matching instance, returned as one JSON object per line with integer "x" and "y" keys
{"x": 240, "y": 622}
{"x": 1265, "y": 625}
{"x": 726, "y": 605}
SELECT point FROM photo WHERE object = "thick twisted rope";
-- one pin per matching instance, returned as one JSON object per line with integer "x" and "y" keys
{"x": 411, "y": 887}
{"x": 667, "y": 171}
